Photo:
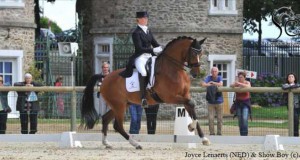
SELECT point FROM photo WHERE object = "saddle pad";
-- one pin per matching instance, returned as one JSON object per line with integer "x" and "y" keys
{"x": 132, "y": 83}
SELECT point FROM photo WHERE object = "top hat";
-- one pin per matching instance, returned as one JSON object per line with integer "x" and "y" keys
{"x": 142, "y": 14}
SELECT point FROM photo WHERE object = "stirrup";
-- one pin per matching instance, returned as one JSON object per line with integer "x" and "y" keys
{"x": 144, "y": 103}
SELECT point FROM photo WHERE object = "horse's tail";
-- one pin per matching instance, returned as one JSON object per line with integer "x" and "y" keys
{"x": 89, "y": 115}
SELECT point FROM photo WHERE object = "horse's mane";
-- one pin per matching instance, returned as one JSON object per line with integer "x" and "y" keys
{"x": 175, "y": 40}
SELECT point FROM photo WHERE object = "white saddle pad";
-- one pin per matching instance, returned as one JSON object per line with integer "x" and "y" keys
{"x": 133, "y": 84}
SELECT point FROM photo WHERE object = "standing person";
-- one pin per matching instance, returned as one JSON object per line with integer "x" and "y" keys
{"x": 136, "y": 112}
{"x": 151, "y": 116}
{"x": 145, "y": 47}
{"x": 4, "y": 108}
{"x": 243, "y": 103}
{"x": 59, "y": 97}
{"x": 292, "y": 82}
{"x": 103, "y": 107}
{"x": 215, "y": 100}
{"x": 28, "y": 105}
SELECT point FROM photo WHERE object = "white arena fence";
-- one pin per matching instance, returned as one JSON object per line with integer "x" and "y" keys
{"x": 73, "y": 121}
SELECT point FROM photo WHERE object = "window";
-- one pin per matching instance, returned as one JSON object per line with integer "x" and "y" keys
{"x": 226, "y": 66}
{"x": 103, "y": 52}
{"x": 12, "y": 4}
{"x": 222, "y": 7}
{"x": 223, "y": 72}
{"x": 104, "y": 48}
{"x": 6, "y": 71}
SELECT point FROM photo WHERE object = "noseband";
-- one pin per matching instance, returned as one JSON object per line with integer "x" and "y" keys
{"x": 193, "y": 51}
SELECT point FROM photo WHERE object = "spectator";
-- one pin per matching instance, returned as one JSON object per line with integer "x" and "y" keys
{"x": 292, "y": 82}
{"x": 151, "y": 115}
{"x": 59, "y": 97}
{"x": 215, "y": 100}
{"x": 28, "y": 105}
{"x": 103, "y": 107}
{"x": 243, "y": 103}
{"x": 136, "y": 117}
{"x": 4, "y": 108}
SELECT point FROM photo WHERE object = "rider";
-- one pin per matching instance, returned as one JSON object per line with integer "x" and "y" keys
{"x": 145, "y": 47}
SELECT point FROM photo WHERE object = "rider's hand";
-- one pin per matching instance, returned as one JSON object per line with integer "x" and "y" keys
{"x": 157, "y": 50}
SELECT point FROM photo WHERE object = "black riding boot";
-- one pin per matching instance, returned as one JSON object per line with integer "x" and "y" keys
{"x": 143, "y": 91}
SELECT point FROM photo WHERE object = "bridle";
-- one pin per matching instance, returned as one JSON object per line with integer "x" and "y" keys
{"x": 187, "y": 67}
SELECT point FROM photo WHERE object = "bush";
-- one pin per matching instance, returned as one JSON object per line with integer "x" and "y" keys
{"x": 267, "y": 99}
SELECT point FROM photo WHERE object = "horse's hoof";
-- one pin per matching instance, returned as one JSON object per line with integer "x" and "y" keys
{"x": 108, "y": 147}
{"x": 205, "y": 141}
{"x": 191, "y": 129}
{"x": 138, "y": 147}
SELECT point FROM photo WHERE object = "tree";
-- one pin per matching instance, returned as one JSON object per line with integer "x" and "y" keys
{"x": 37, "y": 17}
{"x": 257, "y": 10}
{"x": 254, "y": 12}
{"x": 44, "y": 23}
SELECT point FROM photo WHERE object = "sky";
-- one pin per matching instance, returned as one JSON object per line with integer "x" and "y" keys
{"x": 269, "y": 30}
{"x": 62, "y": 12}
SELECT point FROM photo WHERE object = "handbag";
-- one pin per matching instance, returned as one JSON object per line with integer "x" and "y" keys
{"x": 233, "y": 106}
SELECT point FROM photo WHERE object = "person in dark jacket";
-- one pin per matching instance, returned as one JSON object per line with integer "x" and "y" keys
{"x": 145, "y": 47}
{"x": 292, "y": 83}
{"x": 103, "y": 107}
{"x": 28, "y": 105}
{"x": 4, "y": 108}
{"x": 214, "y": 102}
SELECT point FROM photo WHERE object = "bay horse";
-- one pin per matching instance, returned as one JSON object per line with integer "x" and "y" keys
{"x": 172, "y": 85}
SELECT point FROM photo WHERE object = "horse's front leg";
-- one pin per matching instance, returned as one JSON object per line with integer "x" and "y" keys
{"x": 190, "y": 107}
{"x": 106, "y": 118}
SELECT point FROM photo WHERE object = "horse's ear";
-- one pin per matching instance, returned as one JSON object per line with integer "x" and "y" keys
{"x": 201, "y": 42}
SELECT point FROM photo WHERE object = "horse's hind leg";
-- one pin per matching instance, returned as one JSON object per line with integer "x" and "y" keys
{"x": 106, "y": 118}
{"x": 119, "y": 118}
{"x": 190, "y": 107}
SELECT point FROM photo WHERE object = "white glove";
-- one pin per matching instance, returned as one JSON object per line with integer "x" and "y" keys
{"x": 157, "y": 50}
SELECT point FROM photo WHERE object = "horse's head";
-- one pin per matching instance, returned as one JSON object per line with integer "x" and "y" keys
{"x": 193, "y": 58}
{"x": 184, "y": 52}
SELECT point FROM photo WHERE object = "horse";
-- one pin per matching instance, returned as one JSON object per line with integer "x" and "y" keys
{"x": 172, "y": 86}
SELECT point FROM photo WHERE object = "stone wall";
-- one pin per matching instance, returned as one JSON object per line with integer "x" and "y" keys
{"x": 17, "y": 30}
{"x": 168, "y": 20}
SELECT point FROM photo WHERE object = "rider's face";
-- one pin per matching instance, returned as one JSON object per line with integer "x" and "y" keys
{"x": 143, "y": 21}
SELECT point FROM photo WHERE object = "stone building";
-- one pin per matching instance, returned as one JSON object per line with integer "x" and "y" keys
{"x": 17, "y": 31}
{"x": 218, "y": 20}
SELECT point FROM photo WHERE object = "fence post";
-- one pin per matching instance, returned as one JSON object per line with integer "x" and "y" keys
{"x": 73, "y": 110}
{"x": 291, "y": 113}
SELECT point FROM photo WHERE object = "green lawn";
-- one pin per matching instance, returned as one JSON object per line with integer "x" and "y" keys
{"x": 266, "y": 117}
{"x": 270, "y": 112}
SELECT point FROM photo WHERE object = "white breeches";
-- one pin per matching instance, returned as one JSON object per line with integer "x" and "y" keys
{"x": 140, "y": 63}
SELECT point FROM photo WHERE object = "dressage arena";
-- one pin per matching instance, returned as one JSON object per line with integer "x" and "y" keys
{"x": 123, "y": 150}
{"x": 151, "y": 150}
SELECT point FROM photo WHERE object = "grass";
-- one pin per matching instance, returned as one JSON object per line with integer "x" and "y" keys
{"x": 266, "y": 117}
{"x": 270, "y": 112}
{"x": 258, "y": 124}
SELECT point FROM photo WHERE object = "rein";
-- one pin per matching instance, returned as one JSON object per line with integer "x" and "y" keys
{"x": 178, "y": 64}
{"x": 185, "y": 67}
